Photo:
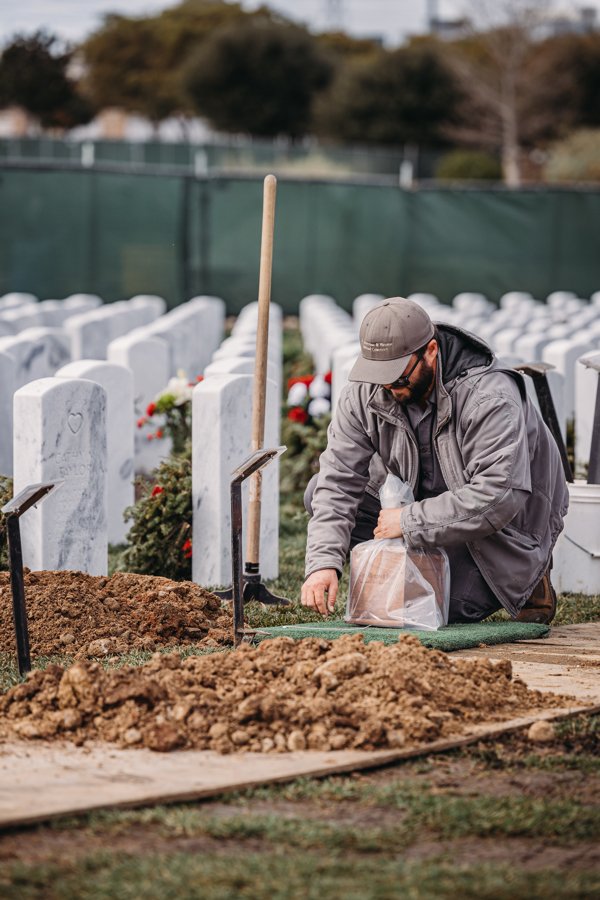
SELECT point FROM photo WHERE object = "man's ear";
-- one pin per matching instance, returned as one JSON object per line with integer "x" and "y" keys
{"x": 431, "y": 350}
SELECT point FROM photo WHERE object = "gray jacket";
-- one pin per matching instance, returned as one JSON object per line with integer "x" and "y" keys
{"x": 507, "y": 495}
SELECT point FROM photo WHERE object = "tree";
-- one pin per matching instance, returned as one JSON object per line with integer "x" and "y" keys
{"x": 136, "y": 63}
{"x": 406, "y": 95}
{"x": 563, "y": 87}
{"x": 33, "y": 74}
{"x": 493, "y": 64}
{"x": 259, "y": 77}
{"x": 576, "y": 158}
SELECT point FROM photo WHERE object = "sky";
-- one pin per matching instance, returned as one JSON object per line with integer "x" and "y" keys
{"x": 393, "y": 20}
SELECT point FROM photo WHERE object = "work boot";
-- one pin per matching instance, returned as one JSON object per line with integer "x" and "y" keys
{"x": 541, "y": 606}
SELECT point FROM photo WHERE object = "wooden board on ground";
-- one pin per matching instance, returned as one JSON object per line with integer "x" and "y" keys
{"x": 39, "y": 781}
{"x": 566, "y": 662}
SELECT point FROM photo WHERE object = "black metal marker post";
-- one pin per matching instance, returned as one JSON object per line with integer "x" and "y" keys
{"x": 538, "y": 374}
{"x": 13, "y": 510}
{"x": 594, "y": 465}
{"x": 239, "y": 583}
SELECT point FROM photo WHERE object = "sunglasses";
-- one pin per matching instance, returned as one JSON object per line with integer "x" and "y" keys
{"x": 404, "y": 380}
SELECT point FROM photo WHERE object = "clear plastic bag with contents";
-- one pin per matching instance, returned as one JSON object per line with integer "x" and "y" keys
{"x": 392, "y": 586}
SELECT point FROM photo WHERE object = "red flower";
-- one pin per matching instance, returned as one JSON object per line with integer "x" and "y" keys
{"x": 156, "y": 490}
{"x": 187, "y": 549}
{"x": 327, "y": 377}
{"x": 149, "y": 437}
{"x": 151, "y": 409}
{"x": 298, "y": 414}
{"x": 199, "y": 377}
{"x": 141, "y": 422}
{"x": 302, "y": 379}
{"x": 159, "y": 433}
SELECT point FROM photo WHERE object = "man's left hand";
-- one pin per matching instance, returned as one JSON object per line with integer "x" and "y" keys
{"x": 388, "y": 524}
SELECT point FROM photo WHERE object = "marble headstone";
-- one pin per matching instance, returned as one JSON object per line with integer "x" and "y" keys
{"x": 8, "y": 301}
{"x": 343, "y": 360}
{"x": 148, "y": 359}
{"x": 226, "y": 402}
{"x": 60, "y": 437}
{"x": 117, "y": 381}
{"x": 563, "y": 354}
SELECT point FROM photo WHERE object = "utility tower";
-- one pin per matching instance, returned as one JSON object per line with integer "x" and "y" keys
{"x": 431, "y": 14}
{"x": 334, "y": 15}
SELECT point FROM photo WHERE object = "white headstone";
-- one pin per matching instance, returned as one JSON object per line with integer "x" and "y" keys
{"x": 515, "y": 299}
{"x": 343, "y": 360}
{"x": 90, "y": 335}
{"x": 362, "y": 304}
{"x": 83, "y": 301}
{"x": 8, "y": 301}
{"x": 148, "y": 359}
{"x": 60, "y": 436}
{"x": 530, "y": 346}
{"x": 472, "y": 303}
{"x": 22, "y": 317}
{"x": 503, "y": 342}
{"x": 6, "y": 329}
{"x": 563, "y": 354}
{"x": 226, "y": 402}
{"x": 427, "y": 301}
{"x": 150, "y": 301}
{"x": 36, "y": 353}
{"x": 52, "y": 349}
{"x": 117, "y": 381}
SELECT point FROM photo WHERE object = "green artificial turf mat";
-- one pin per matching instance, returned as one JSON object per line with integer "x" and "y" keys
{"x": 452, "y": 637}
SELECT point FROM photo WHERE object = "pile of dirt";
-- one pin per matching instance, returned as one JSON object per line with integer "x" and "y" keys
{"x": 282, "y": 695}
{"x": 92, "y": 616}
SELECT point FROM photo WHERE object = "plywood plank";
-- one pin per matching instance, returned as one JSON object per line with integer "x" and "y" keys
{"x": 39, "y": 781}
{"x": 42, "y": 781}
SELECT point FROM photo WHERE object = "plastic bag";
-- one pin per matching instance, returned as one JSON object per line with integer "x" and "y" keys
{"x": 392, "y": 586}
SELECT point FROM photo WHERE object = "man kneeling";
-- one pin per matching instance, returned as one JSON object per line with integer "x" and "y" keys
{"x": 432, "y": 405}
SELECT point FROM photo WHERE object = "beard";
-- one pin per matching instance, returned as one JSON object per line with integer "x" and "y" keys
{"x": 419, "y": 386}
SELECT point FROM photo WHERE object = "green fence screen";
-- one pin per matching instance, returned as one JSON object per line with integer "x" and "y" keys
{"x": 118, "y": 234}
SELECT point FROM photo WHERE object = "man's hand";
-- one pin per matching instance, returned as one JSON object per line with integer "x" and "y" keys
{"x": 319, "y": 591}
{"x": 389, "y": 524}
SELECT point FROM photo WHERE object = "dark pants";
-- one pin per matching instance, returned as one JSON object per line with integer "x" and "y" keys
{"x": 471, "y": 599}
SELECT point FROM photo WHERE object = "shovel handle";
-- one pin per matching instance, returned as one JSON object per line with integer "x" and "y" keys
{"x": 260, "y": 365}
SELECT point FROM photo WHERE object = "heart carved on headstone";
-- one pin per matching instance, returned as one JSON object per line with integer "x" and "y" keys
{"x": 75, "y": 421}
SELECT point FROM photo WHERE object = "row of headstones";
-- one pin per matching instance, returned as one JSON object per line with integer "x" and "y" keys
{"x": 331, "y": 334}
{"x": 75, "y": 429}
{"x": 136, "y": 333}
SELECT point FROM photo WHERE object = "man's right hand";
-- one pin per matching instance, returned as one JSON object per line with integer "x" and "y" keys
{"x": 319, "y": 590}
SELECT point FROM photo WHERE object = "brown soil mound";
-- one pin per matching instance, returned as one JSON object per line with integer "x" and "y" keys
{"x": 87, "y": 615}
{"x": 282, "y": 695}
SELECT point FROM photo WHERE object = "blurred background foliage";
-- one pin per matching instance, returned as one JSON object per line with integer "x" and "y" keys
{"x": 499, "y": 89}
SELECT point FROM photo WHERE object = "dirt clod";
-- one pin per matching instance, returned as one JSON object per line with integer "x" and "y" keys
{"x": 541, "y": 732}
{"x": 281, "y": 696}
{"x": 98, "y": 617}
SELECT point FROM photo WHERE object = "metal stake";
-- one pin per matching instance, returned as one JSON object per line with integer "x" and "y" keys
{"x": 18, "y": 594}
{"x": 594, "y": 464}
{"x": 13, "y": 511}
{"x": 538, "y": 373}
{"x": 245, "y": 587}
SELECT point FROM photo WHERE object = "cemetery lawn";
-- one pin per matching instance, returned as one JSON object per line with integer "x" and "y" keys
{"x": 503, "y": 819}
{"x": 500, "y": 820}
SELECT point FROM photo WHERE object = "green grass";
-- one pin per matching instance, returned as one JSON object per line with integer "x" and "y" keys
{"x": 289, "y": 876}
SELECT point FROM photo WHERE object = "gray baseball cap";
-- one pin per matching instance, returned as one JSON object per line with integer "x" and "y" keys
{"x": 389, "y": 335}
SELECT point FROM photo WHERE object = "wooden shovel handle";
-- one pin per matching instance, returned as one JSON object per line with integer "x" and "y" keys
{"x": 260, "y": 365}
